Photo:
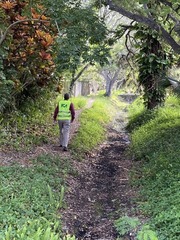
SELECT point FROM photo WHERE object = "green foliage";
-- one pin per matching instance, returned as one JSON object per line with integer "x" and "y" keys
{"x": 33, "y": 230}
{"x": 30, "y": 198}
{"x": 138, "y": 115}
{"x": 126, "y": 224}
{"x": 31, "y": 125}
{"x": 146, "y": 234}
{"x": 153, "y": 63}
{"x": 156, "y": 143}
{"x": 81, "y": 35}
{"x": 6, "y": 86}
{"x": 92, "y": 122}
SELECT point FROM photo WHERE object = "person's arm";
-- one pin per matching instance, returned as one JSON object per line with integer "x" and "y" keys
{"x": 56, "y": 113}
{"x": 72, "y": 112}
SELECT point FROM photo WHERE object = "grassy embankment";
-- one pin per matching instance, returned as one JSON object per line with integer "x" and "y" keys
{"x": 155, "y": 143}
{"x": 31, "y": 196}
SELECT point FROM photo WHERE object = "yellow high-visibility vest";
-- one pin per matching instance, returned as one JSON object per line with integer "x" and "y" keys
{"x": 64, "y": 112}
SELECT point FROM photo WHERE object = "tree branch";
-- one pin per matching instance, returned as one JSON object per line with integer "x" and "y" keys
{"x": 149, "y": 22}
{"x": 169, "y": 4}
{"x": 81, "y": 72}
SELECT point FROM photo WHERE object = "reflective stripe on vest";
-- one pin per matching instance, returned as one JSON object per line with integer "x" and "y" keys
{"x": 64, "y": 112}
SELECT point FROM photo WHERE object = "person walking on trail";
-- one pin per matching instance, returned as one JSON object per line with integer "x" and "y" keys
{"x": 65, "y": 114}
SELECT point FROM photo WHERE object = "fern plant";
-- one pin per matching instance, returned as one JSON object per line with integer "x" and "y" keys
{"x": 125, "y": 224}
{"x": 146, "y": 234}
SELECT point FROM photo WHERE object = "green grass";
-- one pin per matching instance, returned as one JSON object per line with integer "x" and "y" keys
{"x": 93, "y": 123}
{"x": 30, "y": 199}
{"x": 156, "y": 143}
{"x": 79, "y": 102}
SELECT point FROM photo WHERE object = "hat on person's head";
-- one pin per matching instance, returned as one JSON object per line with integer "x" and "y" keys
{"x": 66, "y": 96}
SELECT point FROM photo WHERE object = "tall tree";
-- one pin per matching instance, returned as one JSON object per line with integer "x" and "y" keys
{"x": 161, "y": 19}
{"x": 159, "y": 15}
{"x": 153, "y": 65}
{"x": 81, "y": 37}
{"x": 115, "y": 70}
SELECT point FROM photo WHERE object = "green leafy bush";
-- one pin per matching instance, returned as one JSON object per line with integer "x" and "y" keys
{"x": 146, "y": 234}
{"x": 126, "y": 224}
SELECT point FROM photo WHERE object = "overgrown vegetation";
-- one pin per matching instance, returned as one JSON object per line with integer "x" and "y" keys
{"x": 30, "y": 125}
{"x": 30, "y": 198}
{"x": 153, "y": 63}
{"x": 155, "y": 141}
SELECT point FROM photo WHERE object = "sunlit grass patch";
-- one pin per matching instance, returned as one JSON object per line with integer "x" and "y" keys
{"x": 92, "y": 125}
{"x": 79, "y": 102}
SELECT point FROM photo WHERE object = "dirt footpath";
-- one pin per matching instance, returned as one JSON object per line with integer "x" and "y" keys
{"x": 100, "y": 193}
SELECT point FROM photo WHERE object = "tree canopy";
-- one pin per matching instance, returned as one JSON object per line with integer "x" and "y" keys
{"x": 160, "y": 15}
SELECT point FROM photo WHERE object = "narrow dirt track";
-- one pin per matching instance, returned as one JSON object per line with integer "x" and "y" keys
{"x": 100, "y": 193}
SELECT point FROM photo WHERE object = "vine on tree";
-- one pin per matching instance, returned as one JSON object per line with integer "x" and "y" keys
{"x": 153, "y": 63}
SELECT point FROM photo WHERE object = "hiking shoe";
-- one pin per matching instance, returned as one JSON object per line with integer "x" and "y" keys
{"x": 65, "y": 149}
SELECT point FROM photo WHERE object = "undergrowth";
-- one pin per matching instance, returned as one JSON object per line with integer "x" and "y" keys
{"x": 155, "y": 141}
{"x": 30, "y": 199}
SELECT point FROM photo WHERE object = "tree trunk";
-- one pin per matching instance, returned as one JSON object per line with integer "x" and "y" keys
{"x": 155, "y": 91}
{"x": 108, "y": 88}
{"x": 110, "y": 81}
{"x": 74, "y": 79}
